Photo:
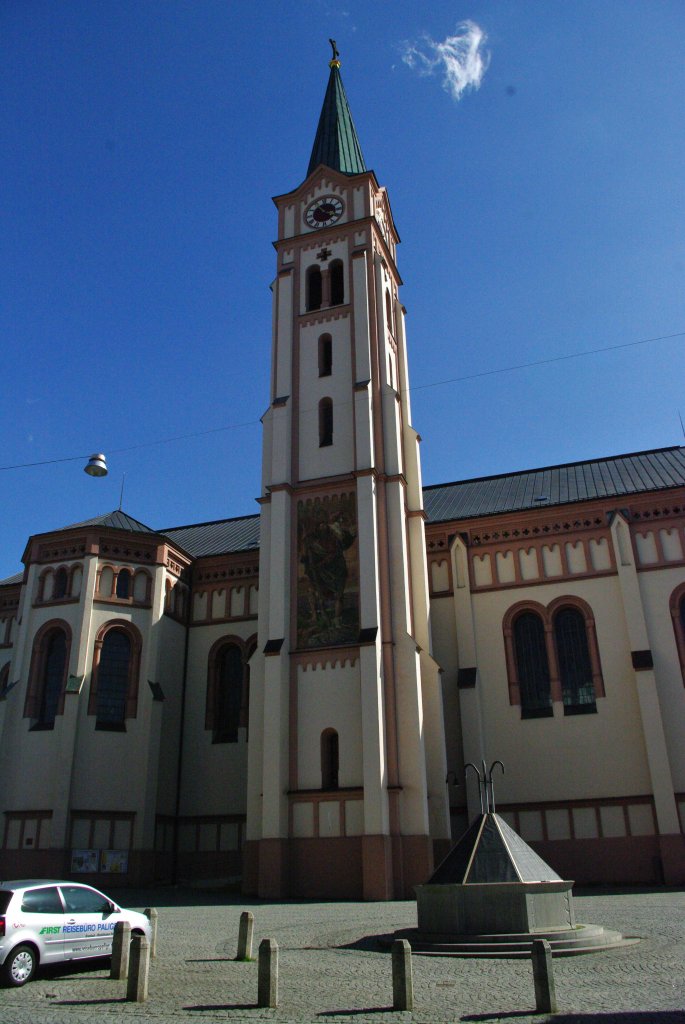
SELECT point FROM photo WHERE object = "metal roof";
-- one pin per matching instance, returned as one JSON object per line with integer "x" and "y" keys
{"x": 116, "y": 520}
{"x": 336, "y": 144}
{"x": 12, "y": 580}
{"x": 217, "y": 538}
{"x": 616, "y": 477}
{"x": 620, "y": 476}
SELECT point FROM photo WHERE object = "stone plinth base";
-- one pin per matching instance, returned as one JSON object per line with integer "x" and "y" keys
{"x": 501, "y": 907}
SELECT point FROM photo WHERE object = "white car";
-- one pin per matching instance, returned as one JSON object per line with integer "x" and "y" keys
{"x": 47, "y": 922}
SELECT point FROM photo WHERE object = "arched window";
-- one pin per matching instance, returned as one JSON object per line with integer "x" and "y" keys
{"x": 325, "y": 422}
{"x": 113, "y": 679}
{"x": 48, "y": 674}
{"x": 228, "y": 688}
{"x": 337, "y": 283}
{"x": 329, "y": 759}
{"x": 59, "y": 588}
{"x": 573, "y": 659}
{"x": 228, "y": 694}
{"x": 325, "y": 355}
{"x": 678, "y": 615}
{"x": 124, "y": 583}
{"x": 552, "y": 657}
{"x": 114, "y": 683}
{"x": 53, "y": 678}
{"x": 388, "y": 311}
{"x": 532, "y": 666}
{"x": 314, "y": 289}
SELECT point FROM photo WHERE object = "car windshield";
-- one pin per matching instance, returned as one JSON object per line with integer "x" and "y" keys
{"x": 5, "y": 898}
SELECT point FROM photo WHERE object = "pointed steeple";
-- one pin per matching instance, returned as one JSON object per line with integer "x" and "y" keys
{"x": 336, "y": 144}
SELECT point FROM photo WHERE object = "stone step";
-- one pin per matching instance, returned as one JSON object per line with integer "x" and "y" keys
{"x": 583, "y": 939}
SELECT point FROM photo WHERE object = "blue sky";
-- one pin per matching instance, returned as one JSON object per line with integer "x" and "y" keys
{"x": 541, "y": 214}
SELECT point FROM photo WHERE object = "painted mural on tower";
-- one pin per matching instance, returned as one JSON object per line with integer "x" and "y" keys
{"x": 328, "y": 571}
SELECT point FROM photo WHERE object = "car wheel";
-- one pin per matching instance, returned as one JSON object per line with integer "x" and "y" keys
{"x": 20, "y": 966}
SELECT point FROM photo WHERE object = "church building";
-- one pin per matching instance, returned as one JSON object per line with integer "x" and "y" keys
{"x": 287, "y": 701}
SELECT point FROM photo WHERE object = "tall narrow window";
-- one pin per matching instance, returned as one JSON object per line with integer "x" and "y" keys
{"x": 325, "y": 422}
{"x": 314, "y": 290}
{"x": 59, "y": 588}
{"x": 388, "y": 311}
{"x": 337, "y": 283}
{"x": 329, "y": 759}
{"x": 325, "y": 355}
{"x": 228, "y": 694}
{"x": 573, "y": 657}
{"x": 532, "y": 666}
{"x": 54, "y": 667}
{"x": 124, "y": 583}
{"x": 113, "y": 680}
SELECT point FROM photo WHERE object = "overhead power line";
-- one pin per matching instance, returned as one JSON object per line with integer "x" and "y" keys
{"x": 417, "y": 387}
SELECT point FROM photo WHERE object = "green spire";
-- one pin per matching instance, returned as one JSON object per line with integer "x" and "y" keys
{"x": 336, "y": 144}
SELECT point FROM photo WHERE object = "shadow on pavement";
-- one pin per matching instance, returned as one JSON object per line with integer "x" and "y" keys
{"x": 88, "y": 1002}
{"x": 624, "y": 1017}
{"x": 221, "y": 1006}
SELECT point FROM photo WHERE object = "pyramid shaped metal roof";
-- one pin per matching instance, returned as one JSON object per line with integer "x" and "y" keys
{"x": 116, "y": 520}
{"x": 336, "y": 144}
{"x": 490, "y": 851}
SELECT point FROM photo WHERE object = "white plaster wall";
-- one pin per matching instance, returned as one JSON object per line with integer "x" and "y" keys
{"x": 95, "y": 785}
{"x": 169, "y": 674}
{"x": 446, "y": 653}
{"x": 214, "y": 774}
{"x": 564, "y": 757}
{"x": 338, "y": 457}
{"x": 329, "y": 698}
{"x": 656, "y": 588}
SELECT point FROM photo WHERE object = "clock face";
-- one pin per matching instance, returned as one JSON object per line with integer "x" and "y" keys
{"x": 324, "y": 211}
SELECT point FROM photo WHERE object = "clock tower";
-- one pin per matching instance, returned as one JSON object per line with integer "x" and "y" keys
{"x": 346, "y": 760}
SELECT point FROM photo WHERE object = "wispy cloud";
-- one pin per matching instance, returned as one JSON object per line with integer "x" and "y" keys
{"x": 461, "y": 58}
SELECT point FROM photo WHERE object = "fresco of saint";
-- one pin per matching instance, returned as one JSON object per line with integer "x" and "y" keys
{"x": 328, "y": 571}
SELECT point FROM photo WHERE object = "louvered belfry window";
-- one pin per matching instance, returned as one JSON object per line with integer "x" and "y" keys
{"x": 573, "y": 656}
{"x": 532, "y": 666}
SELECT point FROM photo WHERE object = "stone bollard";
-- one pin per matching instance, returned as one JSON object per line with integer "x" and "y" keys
{"x": 245, "y": 932}
{"x": 152, "y": 915}
{"x": 267, "y": 973}
{"x": 402, "y": 980}
{"x": 139, "y": 970}
{"x": 121, "y": 945}
{"x": 543, "y": 977}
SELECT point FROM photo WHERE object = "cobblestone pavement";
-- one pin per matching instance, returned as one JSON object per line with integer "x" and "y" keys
{"x": 332, "y": 969}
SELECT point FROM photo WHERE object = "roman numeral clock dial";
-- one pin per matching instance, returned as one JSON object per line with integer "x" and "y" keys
{"x": 323, "y": 211}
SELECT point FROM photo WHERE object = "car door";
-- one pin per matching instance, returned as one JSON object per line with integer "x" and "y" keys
{"x": 42, "y": 914}
{"x": 89, "y": 922}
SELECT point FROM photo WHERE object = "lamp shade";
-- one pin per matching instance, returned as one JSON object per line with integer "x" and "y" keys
{"x": 96, "y": 466}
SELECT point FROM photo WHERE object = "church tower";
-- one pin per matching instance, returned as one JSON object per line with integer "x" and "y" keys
{"x": 346, "y": 760}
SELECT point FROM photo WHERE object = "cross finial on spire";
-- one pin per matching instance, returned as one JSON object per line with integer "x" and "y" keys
{"x": 334, "y": 63}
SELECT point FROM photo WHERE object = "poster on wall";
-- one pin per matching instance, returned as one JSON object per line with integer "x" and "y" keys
{"x": 114, "y": 862}
{"x": 84, "y": 861}
{"x": 328, "y": 571}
